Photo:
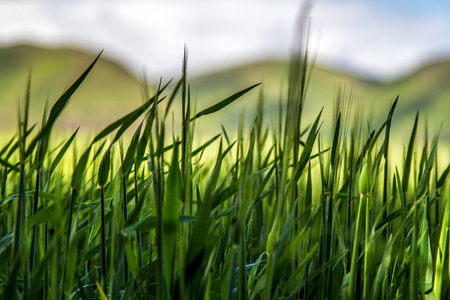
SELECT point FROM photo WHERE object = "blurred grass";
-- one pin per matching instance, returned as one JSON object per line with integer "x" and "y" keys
{"x": 111, "y": 85}
{"x": 426, "y": 90}
{"x": 288, "y": 209}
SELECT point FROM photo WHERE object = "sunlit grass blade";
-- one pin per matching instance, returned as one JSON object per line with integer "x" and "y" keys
{"x": 172, "y": 96}
{"x": 131, "y": 152}
{"x": 222, "y": 103}
{"x": 388, "y": 129}
{"x": 443, "y": 177}
{"x": 102, "y": 179}
{"x": 208, "y": 221}
{"x": 80, "y": 168}
{"x": 425, "y": 178}
{"x": 7, "y": 164}
{"x": 408, "y": 159}
{"x": 126, "y": 121}
{"x": 386, "y": 157}
{"x": 196, "y": 251}
{"x": 442, "y": 254}
{"x": 62, "y": 152}
{"x": 170, "y": 217}
{"x": 306, "y": 152}
{"x": 59, "y": 106}
{"x": 205, "y": 145}
{"x": 377, "y": 288}
{"x": 20, "y": 237}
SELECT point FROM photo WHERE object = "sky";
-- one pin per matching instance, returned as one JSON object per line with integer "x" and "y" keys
{"x": 379, "y": 39}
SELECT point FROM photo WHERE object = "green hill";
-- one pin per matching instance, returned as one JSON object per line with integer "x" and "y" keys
{"x": 427, "y": 89}
{"x": 322, "y": 90}
{"x": 110, "y": 91}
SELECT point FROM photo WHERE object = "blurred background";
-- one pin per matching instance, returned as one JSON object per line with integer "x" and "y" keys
{"x": 370, "y": 51}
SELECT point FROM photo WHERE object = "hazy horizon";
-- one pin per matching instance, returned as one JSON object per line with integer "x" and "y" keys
{"x": 196, "y": 74}
{"x": 380, "y": 40}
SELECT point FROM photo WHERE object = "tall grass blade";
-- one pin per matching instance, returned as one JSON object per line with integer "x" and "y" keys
{"x": 131, "y": 152}
{"x": 59, "y": 106}
{"x": 408, "y": 160}
{"x": 80, "y": 168}
{"x": 127, "y": 120}
{"x": 306, "y": 153}
{"x": 62, "y": 152}
{"x": 222, "y": 103}
{"x": 443, "y": 177}
{"x": 196, "y": 251}
{"x": 102, "y": 179}
{"x": 425, "y": 178}
{"x": 172, "y": 96}
{"x": 386, "y": 157}
{"x": 170, "y": 219}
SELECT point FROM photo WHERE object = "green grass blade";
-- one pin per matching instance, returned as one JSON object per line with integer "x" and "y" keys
{"x": 408, "y": 160}
{"x": 425, "y": 178}
{"x": 338, "y": 257}
{"x": 335, "y": 144}
{"x": 103, "y": 170}
{"x": 306, "y": 152}
{"x": 11, "y": 287}
{"x": 170, "y": 218}
{"x": 78, "y": 173}
{"x": 62, "y": 152}
{"x": 131, "y": 151}
{"x": 44, "y": 215}
{"x": 172, "y": 96}
{"x": 143, "y": 142}
{"x": 443, "y": 177}
{"x": 59, "y": 106}
{"x": 222, "y": 103}
{"x": 442, "y": 254}
{"x": 364, "y": 151}
{"x": 382, "y": 270}
{"x": 200, "y": 229}
{"x": 388, "y": 129}
{"x": 104, "y": 270}
{"x": 7, "y": 164}
{"x": 6, "y": 146}
{"x": 126, "y": 121}
{"x": 205, "y": 145}
{"x": 63, "y": 100}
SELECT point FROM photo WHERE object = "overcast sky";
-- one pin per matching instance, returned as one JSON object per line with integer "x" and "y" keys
{"x": 376, "y": 38}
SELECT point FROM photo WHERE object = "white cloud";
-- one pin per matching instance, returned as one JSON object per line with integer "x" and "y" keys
{"x": 383, "y": 43}
{"x": 150, "y": 35}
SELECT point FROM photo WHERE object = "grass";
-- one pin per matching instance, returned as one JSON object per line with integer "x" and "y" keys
{"x": 52, "y": 71}
{"x": 112, "y": 89}
{"x": 285, "y": 210}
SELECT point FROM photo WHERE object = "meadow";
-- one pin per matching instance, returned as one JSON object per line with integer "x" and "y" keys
{"x": 279, "y": 209}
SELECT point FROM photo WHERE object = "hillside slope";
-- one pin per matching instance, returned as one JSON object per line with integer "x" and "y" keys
{"x": 111, "y": 91}
{"x": 427, "y": 89}
{"x": 107, "y": 92}
{"x": 322, "y": 89}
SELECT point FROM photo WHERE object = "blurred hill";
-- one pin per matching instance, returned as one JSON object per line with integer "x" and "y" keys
{"x": 110, "y": 91}
{"x": 105, "y": 95}
{"x": 427, "y": 90}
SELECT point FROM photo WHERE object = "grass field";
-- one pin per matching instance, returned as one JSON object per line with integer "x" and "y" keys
{"x": 295, "y": 205}
{"x": 113, "y": 89}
